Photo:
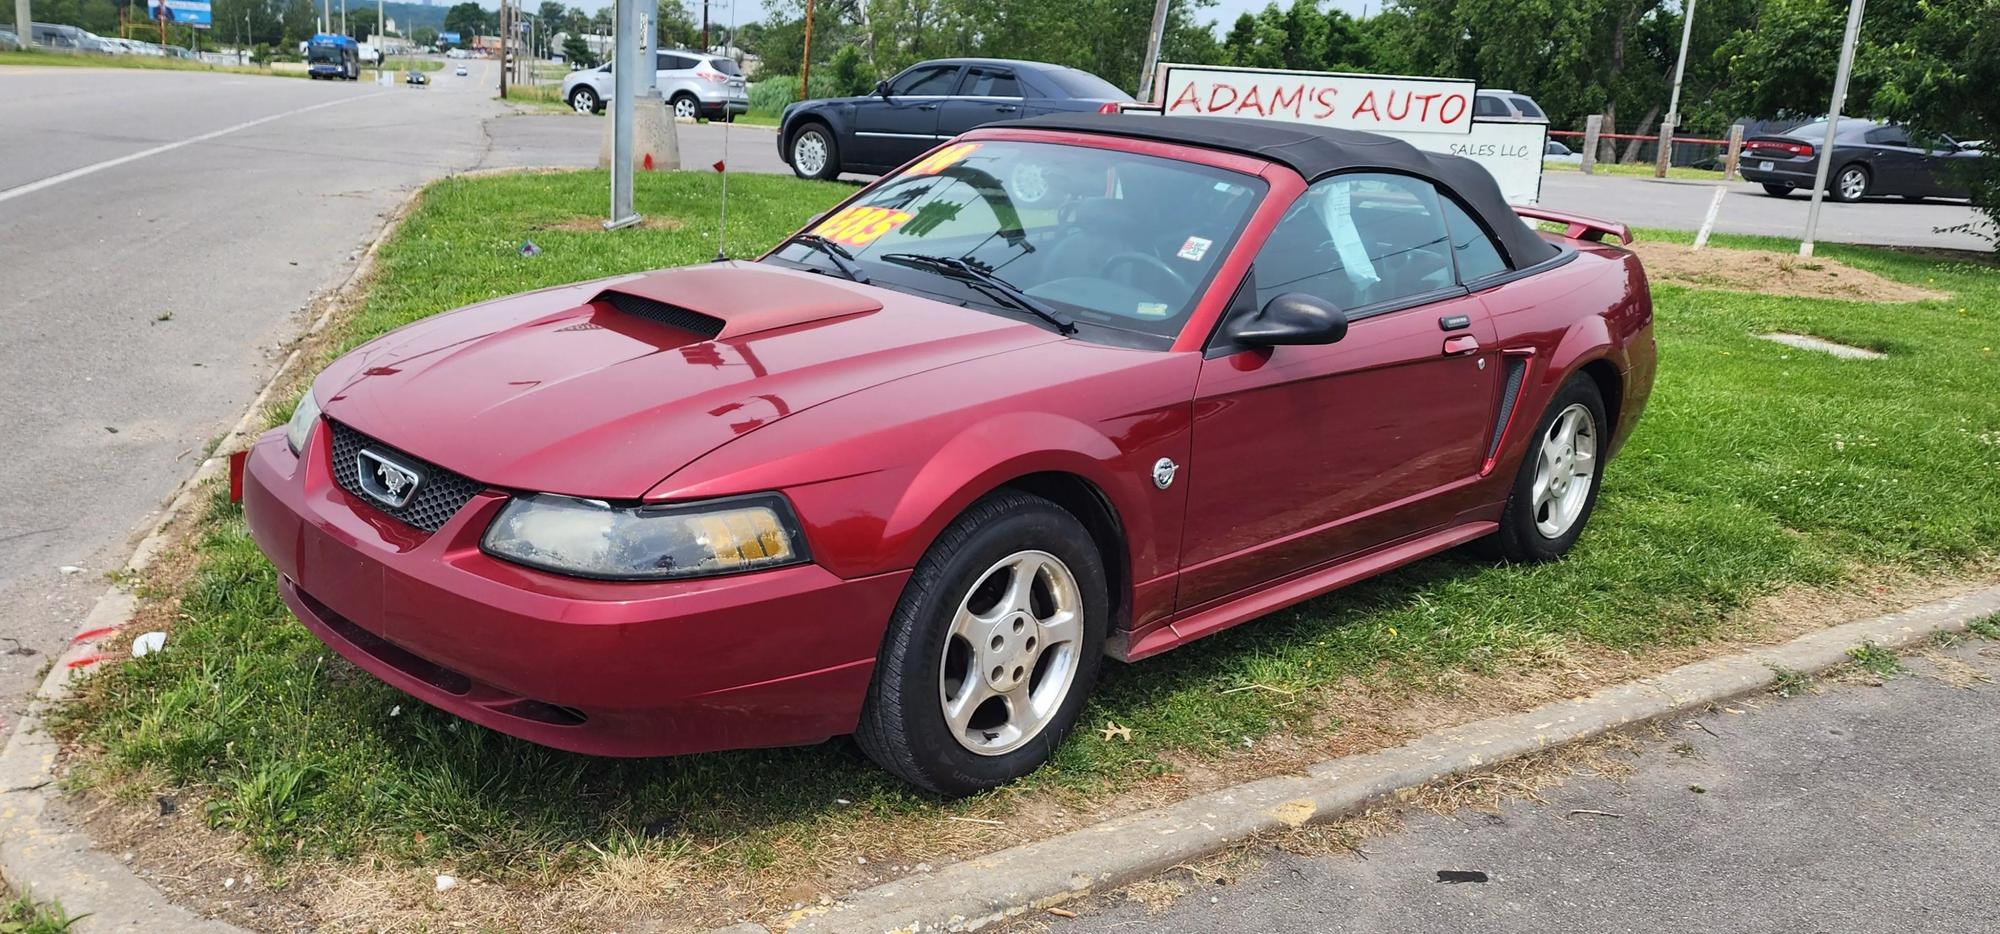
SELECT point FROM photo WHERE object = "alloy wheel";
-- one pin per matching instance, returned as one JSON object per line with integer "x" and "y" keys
{"x": 1012, "y": 653}
{"x": 1853, "y": 184}
{"x": 684, "y": 108}
{"x": 583, "y": 102}
{"x": 1564, "y": 471}
{"x": 809, "y": 153}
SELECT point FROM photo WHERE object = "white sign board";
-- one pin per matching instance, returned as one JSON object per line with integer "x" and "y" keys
{"x": 1375, "y": 103}
{"x": 1432, "y": 114}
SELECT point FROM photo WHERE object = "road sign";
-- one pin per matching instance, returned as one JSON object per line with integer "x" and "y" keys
{"x": 450, "y": 38}
{"x": 184, "y": 12}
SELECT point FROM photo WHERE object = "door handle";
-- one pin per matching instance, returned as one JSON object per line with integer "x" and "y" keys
{"x": 1007, "y": 108}
{"x": 1460, "y": 344}
{"x": 926, "y": 106}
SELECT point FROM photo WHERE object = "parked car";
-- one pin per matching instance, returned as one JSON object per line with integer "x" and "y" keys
{"x": 693, "y": 84}
{"x": 928, "y": 102}
{"x": 70, "y": 39}
{"x": 1555, "y": 151}
{"x": 9, "y": 41}
{"x": 1498, "y": 105}
{"x": 1869, "y": 158}
{"x": 914, "y": 473}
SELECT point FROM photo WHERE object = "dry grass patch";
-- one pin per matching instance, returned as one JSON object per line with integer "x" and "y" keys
{"x": 1770, "y": 273}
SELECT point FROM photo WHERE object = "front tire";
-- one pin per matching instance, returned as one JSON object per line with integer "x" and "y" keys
{"x": 1778, "y": 191}
{"x": 992, "y": 650}
{"x": 584, "y": 100}
{"x": 1555, "y": 489}
{"x": 814, "y": 153}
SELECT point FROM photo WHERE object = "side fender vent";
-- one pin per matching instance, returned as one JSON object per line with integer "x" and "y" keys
{"x": 1517, "y": 371}
{"x": 659, "y": 312}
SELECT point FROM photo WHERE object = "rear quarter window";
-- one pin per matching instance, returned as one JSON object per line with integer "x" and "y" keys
{"x": 726, "y": 66}
{"x": 1082, "y": 84}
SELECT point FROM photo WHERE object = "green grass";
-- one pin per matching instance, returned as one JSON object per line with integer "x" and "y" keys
{"x": 1876, "y": 660}
{"x": 1757, "y": 467}
{"x": 538, "y": 96}
{"x": 760, "y": 117}
{"x": 1637, "y": 170}
{"x": 63, "y": 60}
{"x": 1788, "y": 682}
{"x": 1987, "y": 628}
{"x": 24, "y": 916}
{"x": 415, "y": 64}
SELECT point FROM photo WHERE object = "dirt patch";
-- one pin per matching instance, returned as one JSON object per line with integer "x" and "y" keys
{"x": 1768, "y": 273}
{"x": 591, "y": 223}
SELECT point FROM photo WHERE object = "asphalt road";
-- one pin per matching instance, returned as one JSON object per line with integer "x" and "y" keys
{"x": 160, "y": 234}
{"x": 1861, "y": 809}
{"x": 1678, "y": 204}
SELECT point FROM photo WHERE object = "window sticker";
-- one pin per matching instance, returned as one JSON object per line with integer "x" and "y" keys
{"x": 1195, "y": 248}
{"x": 1152, "y": 309}
{"x": 860, "y": 225}
{"x": 1335, "y": 203}
{"x": 942, "y": 159}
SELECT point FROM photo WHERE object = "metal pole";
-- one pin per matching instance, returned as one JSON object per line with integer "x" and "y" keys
{"x": 1673, "y": 120}
{"x": 505, "y": 34}
{"x": 624, "y": 88}
{"x": 24, "y": 23}
{"x": 1847, "y": 42}
{"x": 1152, "y": 62}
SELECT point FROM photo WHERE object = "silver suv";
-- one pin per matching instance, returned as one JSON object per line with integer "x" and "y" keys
{"x": 1499, "y": 105}
{"x": 693, "y": 84}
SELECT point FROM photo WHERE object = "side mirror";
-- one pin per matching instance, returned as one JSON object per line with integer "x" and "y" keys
{"x": 881, "y": 89}
{"x": 1292, "y": 318}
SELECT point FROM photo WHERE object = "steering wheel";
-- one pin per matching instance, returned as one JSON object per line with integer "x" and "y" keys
{"x": 1149, "y": 261}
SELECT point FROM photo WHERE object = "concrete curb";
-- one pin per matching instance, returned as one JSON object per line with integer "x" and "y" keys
{"x": 52, "y": 861}
{"x": 989, "y": 889}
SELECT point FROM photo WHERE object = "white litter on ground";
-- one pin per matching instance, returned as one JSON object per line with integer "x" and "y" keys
{"x": 1843, "y": 351}
{"x": 446, "y": 883}
{"x": 148, "y": 644}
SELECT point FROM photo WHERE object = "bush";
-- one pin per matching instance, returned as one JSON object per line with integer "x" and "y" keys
{"x": 851, "y": 74}
{"x": 771, "y": 94}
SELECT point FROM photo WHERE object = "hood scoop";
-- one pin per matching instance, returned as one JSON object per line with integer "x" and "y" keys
{"x": 725, "y": 300}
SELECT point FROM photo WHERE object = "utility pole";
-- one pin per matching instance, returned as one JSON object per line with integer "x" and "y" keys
{"x": 704, "y": 25}
{"x": 24, "y": 23}
{"x": 806, "y": 59}
{"x": 1847, "y": 43}
{"x": 1153, "y": 39}
{"x": 624, "y": 87}
{"x": 506, "y": 33}
{"x": 1673, "y": 121}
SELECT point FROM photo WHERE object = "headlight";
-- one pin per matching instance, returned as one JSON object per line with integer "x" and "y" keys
{"x": 592, "y": 538}
{"x": 304, "y": 417}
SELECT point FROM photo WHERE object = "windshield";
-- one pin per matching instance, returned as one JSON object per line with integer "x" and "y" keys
{"x": 1118, "y": 243}
{"x": 323, "y": 53}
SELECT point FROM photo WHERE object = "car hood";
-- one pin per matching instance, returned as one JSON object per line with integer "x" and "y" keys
{"x": 604, "y": 388}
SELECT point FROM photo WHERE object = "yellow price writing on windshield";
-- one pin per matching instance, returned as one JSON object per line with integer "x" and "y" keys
{"x": 860, "y": 225}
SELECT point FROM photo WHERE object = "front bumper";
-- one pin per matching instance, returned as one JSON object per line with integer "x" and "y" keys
{"x": 772, "y": 658}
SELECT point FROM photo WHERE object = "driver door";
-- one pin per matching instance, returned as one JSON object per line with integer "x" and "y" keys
{"x": 1303, "y": 455}
{"x": 895, "y": 127}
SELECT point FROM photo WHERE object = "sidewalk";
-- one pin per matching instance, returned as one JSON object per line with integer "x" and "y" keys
{"x": 1852, "y": 808}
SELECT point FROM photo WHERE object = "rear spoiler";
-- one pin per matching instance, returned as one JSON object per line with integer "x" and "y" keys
{"x": 1580, "y": 227}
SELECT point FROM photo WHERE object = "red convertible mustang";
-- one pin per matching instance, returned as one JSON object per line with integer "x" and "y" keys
{"x": 913, "y": 474}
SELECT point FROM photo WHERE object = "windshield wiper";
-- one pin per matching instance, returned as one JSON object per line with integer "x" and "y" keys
{"x": 982, "y": 278}
{"x": 842, "y": 260}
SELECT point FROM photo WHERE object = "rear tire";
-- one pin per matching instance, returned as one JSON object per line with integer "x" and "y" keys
{"x": 685, "y": 107}
{"x": 1778, "y": 191}
{"x": 813, "y": 153}
{"x": 991, "y": 651}
{"x": 1545, "y": 512}
{"x": 1850, "y": 184}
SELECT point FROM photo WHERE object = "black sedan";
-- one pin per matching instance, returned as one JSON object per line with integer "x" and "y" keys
{"x": 417, "y": 79}
{"x": 926, "y": 103}
{"x": 1869, "y": 158}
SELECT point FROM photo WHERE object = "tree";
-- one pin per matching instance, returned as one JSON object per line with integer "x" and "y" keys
{"x": 424, "y": 36}
{"x": 361, "y": 24}
{"x": 469, "y": 19}
{"x": 301, "y": 20}
{"x": 577, "y": 52}
{"x": 676, "y": 26}
{"x": 851, "y": 75}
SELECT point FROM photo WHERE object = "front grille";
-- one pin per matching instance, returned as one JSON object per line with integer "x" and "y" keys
{"x": 672, "y": 316}
{"x": 439, "y": 497}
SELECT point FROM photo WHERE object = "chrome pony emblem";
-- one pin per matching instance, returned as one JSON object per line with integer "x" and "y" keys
{"x": 386, "y": 481}
{"x": 1163, "y": 472}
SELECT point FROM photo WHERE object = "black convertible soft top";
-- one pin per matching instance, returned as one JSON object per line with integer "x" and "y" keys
{"x": 1315, "y": 152}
